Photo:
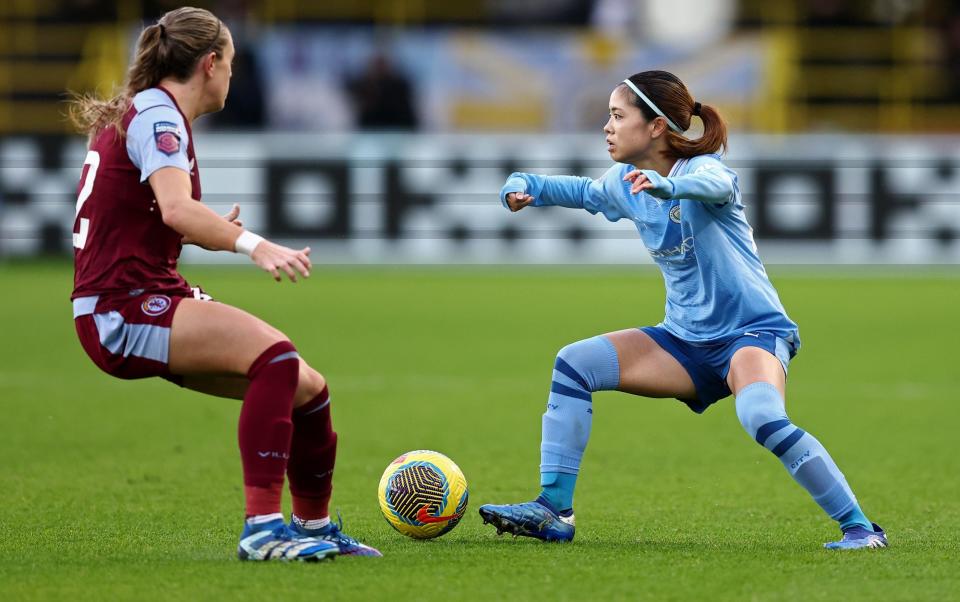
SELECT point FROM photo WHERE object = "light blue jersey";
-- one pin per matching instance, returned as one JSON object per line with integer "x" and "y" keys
{"x": 693, "y": 224}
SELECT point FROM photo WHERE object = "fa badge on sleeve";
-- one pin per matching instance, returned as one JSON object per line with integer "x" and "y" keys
{"x": 167, "y": 136}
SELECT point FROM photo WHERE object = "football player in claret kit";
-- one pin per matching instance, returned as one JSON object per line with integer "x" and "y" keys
{"x": 137, "y": 317}
{"x": 725, "y": 330}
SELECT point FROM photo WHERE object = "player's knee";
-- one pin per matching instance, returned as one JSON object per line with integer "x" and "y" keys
{"x": 591, "y": 363}
{"x": 758, "y": 405}
{"x": 310, "y": 385}
{"x": 280, "y": 351}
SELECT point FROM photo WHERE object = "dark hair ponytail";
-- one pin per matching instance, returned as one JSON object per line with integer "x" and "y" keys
{"x": 672, "y": 97}
{"x": 169, "y": 48}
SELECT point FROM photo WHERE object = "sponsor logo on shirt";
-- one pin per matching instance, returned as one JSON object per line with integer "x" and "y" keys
{"x": 685, "y": 246}
{"x": 167, "y": 136}
{"x": 154, "y": 305}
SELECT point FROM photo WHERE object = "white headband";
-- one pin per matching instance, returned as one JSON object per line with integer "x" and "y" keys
{"x": 650, "y": 104}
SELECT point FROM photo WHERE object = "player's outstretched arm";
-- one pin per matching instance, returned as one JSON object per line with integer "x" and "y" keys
{"x": 202, "y": 226}
{"x": 710, "y": 183}
{"x": 524, "y": 189}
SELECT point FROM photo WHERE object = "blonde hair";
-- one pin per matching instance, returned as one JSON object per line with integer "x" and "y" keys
{"x": 169, "y": 48}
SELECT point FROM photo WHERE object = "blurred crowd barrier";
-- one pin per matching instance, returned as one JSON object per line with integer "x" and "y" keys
{"x": 877, "y": 66}
{"x": 423, "y": 198}
{"x": 324, "y": 80}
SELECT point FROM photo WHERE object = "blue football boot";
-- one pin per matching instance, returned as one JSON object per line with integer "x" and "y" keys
{"x": 857, "y": 537}
{"x": 530, "y": 519}
{"x": 274, "y": 541}
{"x": 332, "y": 533}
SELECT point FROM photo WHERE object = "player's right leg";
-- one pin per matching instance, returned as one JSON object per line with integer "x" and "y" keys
{"x": 626, "y": 360}
{"x": 212, "y": 339}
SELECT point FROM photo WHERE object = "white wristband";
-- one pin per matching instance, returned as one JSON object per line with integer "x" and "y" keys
{"x": 247, "y": 242}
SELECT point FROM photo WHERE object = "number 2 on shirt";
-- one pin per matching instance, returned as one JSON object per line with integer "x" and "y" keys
{"x": 93, "y": 160}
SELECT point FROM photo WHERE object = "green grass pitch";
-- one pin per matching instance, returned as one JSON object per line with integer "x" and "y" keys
{"x": 131, "y": 490}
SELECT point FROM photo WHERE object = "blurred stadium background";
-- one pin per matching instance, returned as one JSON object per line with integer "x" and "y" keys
{"x": 381, "y": 130}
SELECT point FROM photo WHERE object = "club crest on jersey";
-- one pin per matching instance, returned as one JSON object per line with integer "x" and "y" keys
{"x": 167, "y": 136}
{"x": 154, "y": 305}
{"x": 675, "y": 214}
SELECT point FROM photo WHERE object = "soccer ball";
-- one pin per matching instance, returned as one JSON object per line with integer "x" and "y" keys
{"x": 423, "y": 494}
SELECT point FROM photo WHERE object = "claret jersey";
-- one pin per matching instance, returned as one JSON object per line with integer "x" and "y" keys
{"x": 121, "y": 244}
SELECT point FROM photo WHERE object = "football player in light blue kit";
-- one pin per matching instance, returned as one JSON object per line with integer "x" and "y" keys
{"x": 725, "y": 330}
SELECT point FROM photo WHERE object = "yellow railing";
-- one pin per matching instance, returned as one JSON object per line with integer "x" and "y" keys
{"x": 868, "y": 79}
{"x": 384, "y": 12}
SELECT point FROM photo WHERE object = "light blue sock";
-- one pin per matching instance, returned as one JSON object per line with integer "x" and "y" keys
{"x": 761, "y": 411}
{"x": 580, "y": 369}
{"x": 853, "y": 518}
{"x": 557, "y": 490}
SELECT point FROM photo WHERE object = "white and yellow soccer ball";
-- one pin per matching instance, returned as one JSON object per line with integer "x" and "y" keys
{"x": 423, "y": 494}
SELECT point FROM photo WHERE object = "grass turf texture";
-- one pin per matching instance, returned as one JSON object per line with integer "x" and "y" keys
{"x": 131, "y": 490}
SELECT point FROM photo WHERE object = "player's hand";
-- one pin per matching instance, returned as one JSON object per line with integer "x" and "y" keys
{"x": 640, "y": 181}
{"x": 518, "y": 200}
{"x": 233, "y": 214}
{"x": 231, "y": 217}
{"x": 276, "y": 258}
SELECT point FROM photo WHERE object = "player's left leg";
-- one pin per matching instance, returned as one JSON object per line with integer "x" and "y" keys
{"x": 758, "y": 380}
{"x": 313, "y": 453}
